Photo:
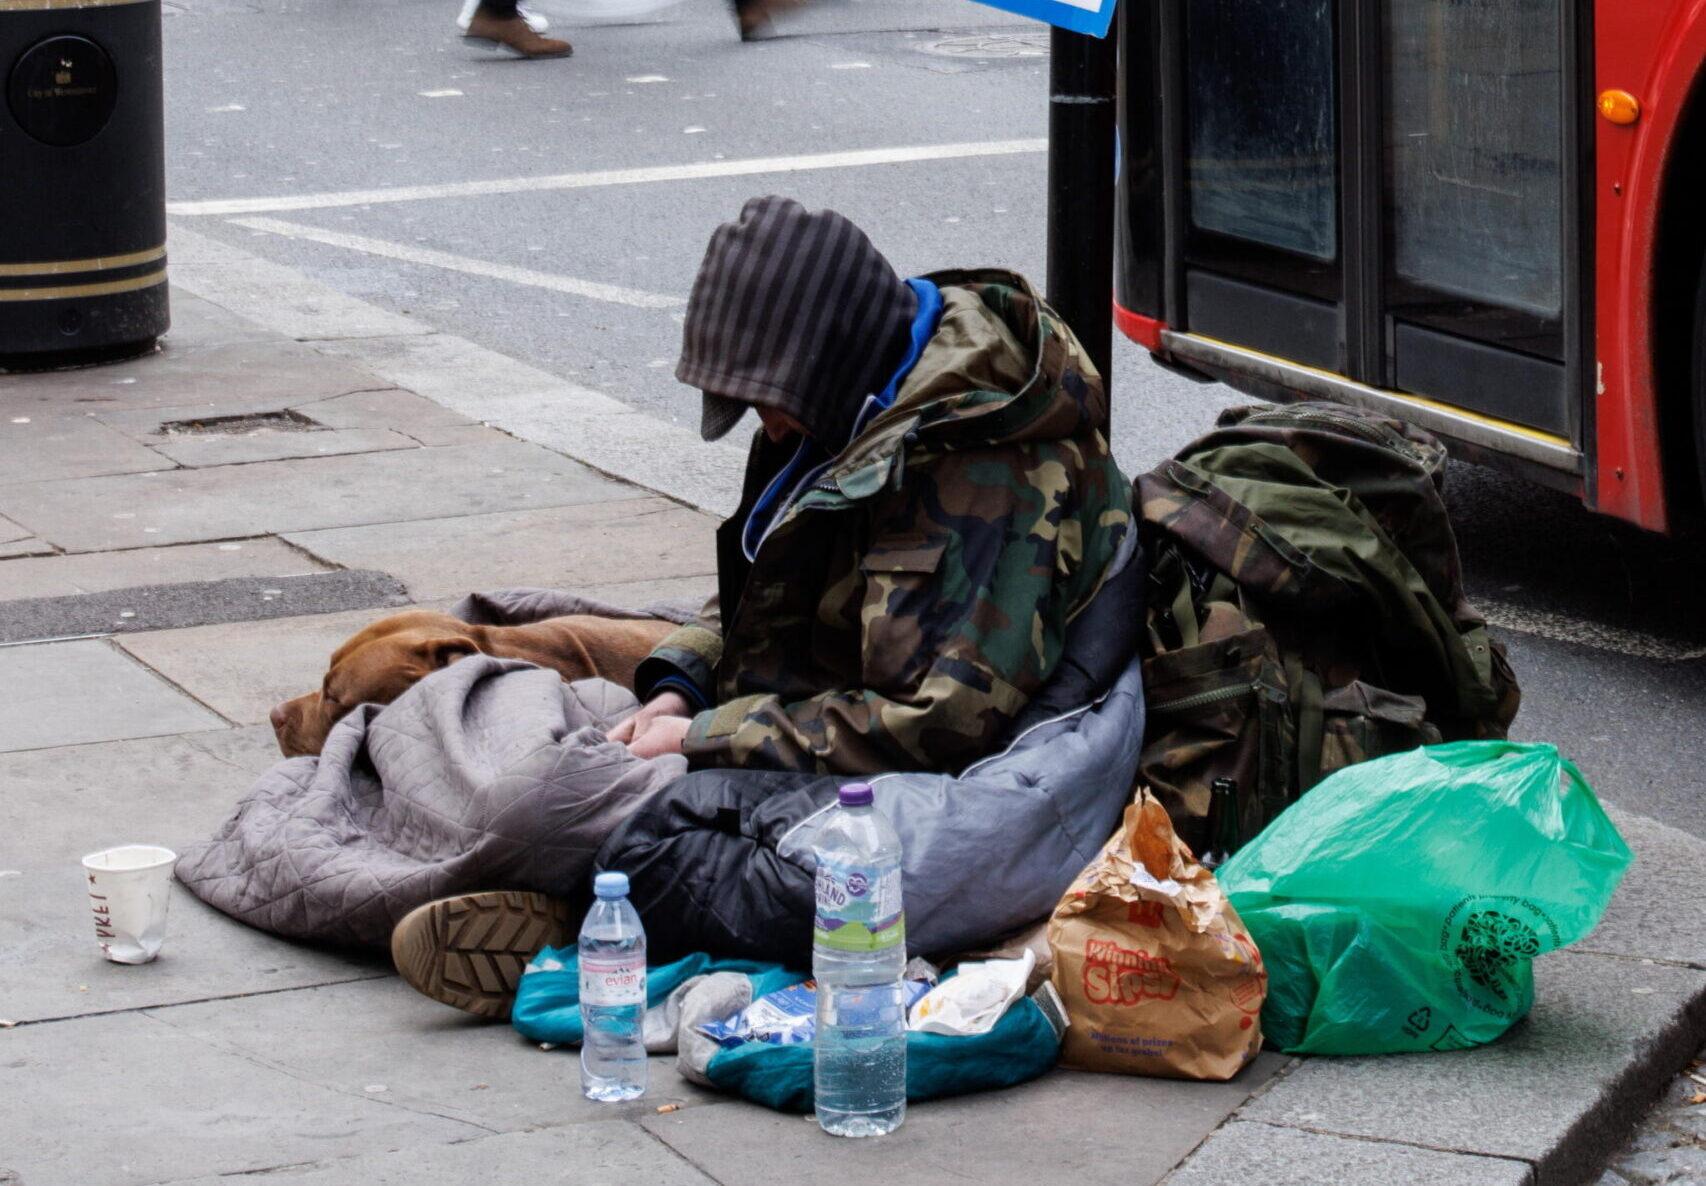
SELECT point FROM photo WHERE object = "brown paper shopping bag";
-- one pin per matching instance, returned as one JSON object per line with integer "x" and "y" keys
{"x": 1158, "y": 974}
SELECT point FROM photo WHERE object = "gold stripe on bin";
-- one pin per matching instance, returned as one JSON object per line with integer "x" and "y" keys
{"x": 42, "y": 5}
{"x": 102, "y": 288}
{"x": 99, "y": 263}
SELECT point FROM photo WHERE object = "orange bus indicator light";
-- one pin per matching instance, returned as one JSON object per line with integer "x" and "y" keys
{"x": 1619, "y": 107}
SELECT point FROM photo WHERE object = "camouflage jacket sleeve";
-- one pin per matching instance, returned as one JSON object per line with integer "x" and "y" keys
{"x": 968, "y": 584}
{"x": 685, "y": 660}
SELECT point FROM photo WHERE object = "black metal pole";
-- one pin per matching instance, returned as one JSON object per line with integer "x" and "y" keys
{"x": 1082, "y": 76}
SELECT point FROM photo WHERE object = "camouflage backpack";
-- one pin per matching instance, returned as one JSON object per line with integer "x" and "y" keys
{"x": 1305, "y": 610}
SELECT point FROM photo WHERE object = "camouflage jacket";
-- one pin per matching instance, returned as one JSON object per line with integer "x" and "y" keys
{"x": 904, "y": 609}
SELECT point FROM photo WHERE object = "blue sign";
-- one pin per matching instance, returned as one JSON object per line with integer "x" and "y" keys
{"x": 1081, "y": 16}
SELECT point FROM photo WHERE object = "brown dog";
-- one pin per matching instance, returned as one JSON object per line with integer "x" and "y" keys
{"x": 383, "y": 661}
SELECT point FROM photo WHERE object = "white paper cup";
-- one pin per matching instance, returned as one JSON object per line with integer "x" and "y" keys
{"x": 129, "y": 888}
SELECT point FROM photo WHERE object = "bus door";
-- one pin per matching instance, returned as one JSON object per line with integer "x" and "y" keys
{"x": 1378, "y": 189}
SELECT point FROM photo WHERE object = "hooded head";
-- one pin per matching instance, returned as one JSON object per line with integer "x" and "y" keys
{"x": 796, "y": 311}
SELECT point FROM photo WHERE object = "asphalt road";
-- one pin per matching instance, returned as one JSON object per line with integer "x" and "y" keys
{"x": 284, "y": 114}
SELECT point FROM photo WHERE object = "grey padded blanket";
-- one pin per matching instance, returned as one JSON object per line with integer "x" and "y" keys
{"x": 489, "y": 774}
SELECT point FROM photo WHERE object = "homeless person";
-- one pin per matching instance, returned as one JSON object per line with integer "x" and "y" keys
{"x": 929, "y": 503}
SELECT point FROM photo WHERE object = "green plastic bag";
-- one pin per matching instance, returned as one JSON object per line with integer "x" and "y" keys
{"x": 1400, "y": 903}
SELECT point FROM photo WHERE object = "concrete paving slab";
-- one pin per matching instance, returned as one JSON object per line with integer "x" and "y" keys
{"x": 668, "y": 458}
{"x": 199, "y": 451}
{"x": 609, "y": 1151}
{"x": 1561, "y": 1090}
{"x": 96, "y": 572}
{"x": 63, "y": 803}
{"x": 199, "y": 322}
{"x": 11, "y": 533}
{"x": 219, "y": 377}
{"x": 639, "y": 594}
{"x": 155, "y": 1104}
{"x": 1652, "y": 915}
{"x": 196, "y": 603}
{"x": 1067, "y": 1127}
{"x": 51, "y": 967}
{"x": 289, "y": 302}
{"x": 456, "y": 434}
{"x": 556, "y": 547}
{"x": 17, "y": 540}
{"x": 28, "y": 545}
{"x": 242, "y": 669}
{"x": 389, "y": 407}
{"x": 38, "y": 448}
{"x": 1291, "y": 1157}
{"x": 459, "y": 374}
{"x": 429, "y": 1058}
{"x": 576, "y": 420}
{"x": 72, "y": 693}
{"x": 274, "y": 497}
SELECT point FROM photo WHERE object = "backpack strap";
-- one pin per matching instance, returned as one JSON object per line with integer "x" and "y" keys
{"x": 1311, "y": 721}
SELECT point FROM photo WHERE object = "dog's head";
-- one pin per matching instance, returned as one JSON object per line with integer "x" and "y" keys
{"x": 375, "y": 667}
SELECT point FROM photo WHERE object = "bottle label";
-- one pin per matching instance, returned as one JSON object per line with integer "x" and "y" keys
{"x": 858, "y": 906}
{"x": 613, "y": 978}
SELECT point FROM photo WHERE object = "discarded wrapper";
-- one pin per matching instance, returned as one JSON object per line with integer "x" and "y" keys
{"x": 972, "y": 1001}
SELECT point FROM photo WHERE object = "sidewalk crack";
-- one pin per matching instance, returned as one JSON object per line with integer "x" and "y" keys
{"x": 678, "y": 1154}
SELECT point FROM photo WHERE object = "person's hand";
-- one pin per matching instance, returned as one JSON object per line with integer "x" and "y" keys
{"x": 664, "y": 704}
{"x": 664, "y": 735}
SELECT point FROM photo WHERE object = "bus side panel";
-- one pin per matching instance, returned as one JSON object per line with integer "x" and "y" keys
{"x": 1650, "y": 48}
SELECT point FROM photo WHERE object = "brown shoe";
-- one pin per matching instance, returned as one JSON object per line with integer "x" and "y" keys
{"x": 469, "y": 951}
{"x": 514, "y": 32}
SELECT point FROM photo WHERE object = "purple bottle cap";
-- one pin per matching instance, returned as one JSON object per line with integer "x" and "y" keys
{"x": 856, "y": 794}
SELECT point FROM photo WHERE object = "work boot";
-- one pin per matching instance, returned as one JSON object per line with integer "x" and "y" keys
{"x": 516, "y": 34}
{"x": 469, "y": 951}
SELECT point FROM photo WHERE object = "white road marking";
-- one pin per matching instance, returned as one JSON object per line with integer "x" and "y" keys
{"x": 693, "y": 171}
{"x": 1567, "y": 628}
{"x": 644, "y": 78}
{"x": 591, "y": 289}
{"x": 446, "y": 93}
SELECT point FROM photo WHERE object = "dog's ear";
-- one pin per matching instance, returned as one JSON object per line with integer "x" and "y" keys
{"x": 443, "y": 651}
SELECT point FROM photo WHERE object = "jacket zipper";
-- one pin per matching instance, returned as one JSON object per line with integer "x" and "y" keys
{"x": 1212, "y": 696}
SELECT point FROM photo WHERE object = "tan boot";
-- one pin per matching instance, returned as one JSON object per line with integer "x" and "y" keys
{"x": 515, "y": 33}
{"x": 469, "y": 951}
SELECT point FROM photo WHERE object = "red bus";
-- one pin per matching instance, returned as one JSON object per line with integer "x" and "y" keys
{"x": 1487, "y": 217}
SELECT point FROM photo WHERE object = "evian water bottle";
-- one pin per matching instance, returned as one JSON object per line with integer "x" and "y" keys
{"x": 613, "y": 994}
{"x": 858, "y": 955}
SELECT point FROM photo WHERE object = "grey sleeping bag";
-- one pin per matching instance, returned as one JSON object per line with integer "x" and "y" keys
{"x": 489, "y": 774}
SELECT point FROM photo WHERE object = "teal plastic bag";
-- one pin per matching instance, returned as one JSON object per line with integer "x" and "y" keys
{"x": 1399, "y": 904}
{"x": 548, "y": 998}
{"x": 1022, "y": 1046}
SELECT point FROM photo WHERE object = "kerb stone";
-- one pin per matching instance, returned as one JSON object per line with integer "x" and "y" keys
{"x": 1246, "y": 1152}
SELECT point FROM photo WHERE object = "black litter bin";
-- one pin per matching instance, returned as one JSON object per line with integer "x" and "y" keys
{"x": 82, "y": 181}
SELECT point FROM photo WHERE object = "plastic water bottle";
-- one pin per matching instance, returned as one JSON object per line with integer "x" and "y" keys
{"x": 613, "y": 994}
{"x": 858, "y": 955}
